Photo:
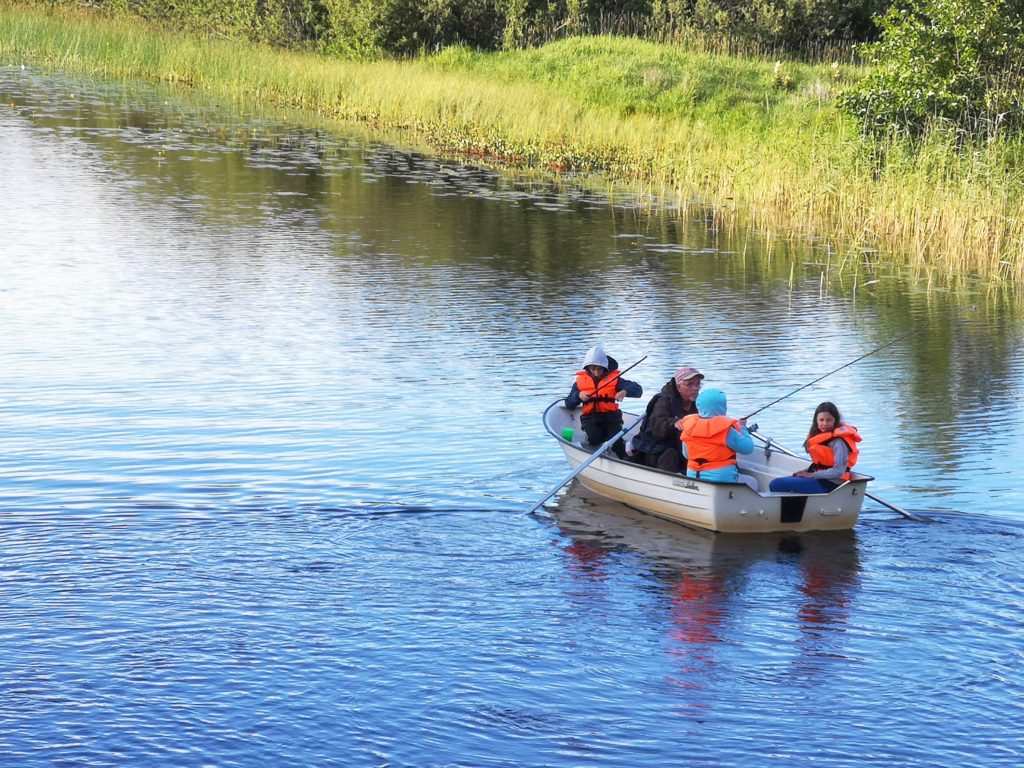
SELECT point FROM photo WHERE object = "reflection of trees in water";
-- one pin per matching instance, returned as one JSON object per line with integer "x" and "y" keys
{"x": 562, "y": 256}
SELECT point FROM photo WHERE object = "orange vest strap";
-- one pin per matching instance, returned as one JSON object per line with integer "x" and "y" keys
{"x": 602, "y": 393}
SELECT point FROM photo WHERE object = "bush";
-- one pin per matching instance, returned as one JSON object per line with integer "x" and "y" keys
{"x": 795, "y": 25}
{"x": 947, "y": 64}
{"x": 409, "y": 27}
{"x": 374, "y": 28}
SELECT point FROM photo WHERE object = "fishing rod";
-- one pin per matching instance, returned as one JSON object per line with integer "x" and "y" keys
{"x": 845, "y": 365}
{"x": 627, "y": 370}
{"x": 596, "y": 454}
{"x": 770, "y": 444}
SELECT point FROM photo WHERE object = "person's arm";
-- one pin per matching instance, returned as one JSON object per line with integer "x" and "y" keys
{"x": 572, "y": 400}
{"x": 662, "y": 422}
{"x": 628, "y": 389}
{"x": 842, "y": 453}
{"x": 740, "y": 441}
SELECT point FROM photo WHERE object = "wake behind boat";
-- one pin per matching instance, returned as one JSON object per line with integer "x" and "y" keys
{"x": 724, "y": 507}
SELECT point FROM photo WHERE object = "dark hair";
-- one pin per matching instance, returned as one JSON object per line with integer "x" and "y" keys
{"x": 825, "y": 407}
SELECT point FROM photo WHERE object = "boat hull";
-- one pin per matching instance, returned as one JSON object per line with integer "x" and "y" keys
{"x": 723, "y": 507}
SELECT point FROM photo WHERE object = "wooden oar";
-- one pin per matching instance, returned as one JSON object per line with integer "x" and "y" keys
{"x": 594, "y": 456}
{"x": 769, "y": 443}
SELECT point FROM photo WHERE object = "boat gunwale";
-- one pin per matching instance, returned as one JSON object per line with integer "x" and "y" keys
{"x": 622, "y": 480}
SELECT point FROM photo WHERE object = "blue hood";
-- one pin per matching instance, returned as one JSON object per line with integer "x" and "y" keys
{"x": 711, "y": 402}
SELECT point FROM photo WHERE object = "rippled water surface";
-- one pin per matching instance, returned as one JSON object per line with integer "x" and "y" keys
{"x": 270, "y": 421}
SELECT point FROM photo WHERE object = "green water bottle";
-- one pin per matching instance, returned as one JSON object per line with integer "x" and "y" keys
{"x": 567, "y": 434}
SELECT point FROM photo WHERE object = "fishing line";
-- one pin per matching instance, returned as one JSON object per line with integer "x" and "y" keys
{"x": 845, "y": 365}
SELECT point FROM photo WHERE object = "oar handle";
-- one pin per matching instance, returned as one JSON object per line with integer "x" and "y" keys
{"x": 596, "y": 454}
{"x": 769, "y": 443}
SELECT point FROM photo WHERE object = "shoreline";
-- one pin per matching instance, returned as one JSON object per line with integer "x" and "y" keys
{"x": 758, "y": 142}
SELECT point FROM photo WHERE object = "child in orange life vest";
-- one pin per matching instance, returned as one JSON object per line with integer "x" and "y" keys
{"x": 832, "y": 446}
{"x": 711, "y": 440}
{"x": 599, "y": 388}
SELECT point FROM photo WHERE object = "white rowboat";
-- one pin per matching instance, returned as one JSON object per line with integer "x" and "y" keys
{"x": 725, "y": 507}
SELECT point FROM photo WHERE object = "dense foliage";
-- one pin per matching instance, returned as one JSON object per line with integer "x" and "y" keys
{"x": 794, "y": 25}
{"x": 281, "y": 22}
{"x": 952, "y": 65}
{"x": 757, "y": 140}
{"x": 372, "y": 28}
{"x": 941, "y": 64}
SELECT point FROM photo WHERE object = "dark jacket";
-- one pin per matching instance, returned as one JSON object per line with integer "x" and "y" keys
{"x": 659, "y": 430}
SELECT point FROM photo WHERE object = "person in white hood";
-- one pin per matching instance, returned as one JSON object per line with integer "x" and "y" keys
{"x": 598, "y": 388}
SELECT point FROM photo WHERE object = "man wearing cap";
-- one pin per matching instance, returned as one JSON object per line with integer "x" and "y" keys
{"x": 658, "y": 443}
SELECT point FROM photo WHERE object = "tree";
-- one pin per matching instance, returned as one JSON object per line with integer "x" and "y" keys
{"x": 955, "y": 64}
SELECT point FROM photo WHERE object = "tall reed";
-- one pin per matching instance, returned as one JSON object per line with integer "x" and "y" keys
{"x": 759, "y": 140}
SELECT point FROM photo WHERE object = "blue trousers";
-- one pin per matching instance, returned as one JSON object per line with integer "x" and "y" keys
{"x": 800, "y": 485}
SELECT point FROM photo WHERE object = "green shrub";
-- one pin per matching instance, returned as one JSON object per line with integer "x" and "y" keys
{"x": 795, "y": 25}
{"x": 370, "y": 28}
{"x": 378, "y": 28}
{"x": 946, "y": 64}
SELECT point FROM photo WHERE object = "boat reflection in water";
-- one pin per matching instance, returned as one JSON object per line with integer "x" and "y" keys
{"x": 765, "y": 602}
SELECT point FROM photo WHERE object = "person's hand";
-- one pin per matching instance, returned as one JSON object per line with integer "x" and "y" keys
{"x": 803, "y": 473}
{"x": 679, "y": 425}
{"x": 584, "y": 396}
{"x": 620, "y": 395}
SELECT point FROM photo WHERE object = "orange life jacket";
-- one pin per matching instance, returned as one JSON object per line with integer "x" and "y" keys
{"x": 602, "y": 393}
{"x": 705, "y": 442}
{"x": 822, "y": 454}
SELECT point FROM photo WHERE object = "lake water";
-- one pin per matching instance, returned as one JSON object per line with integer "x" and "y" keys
{"x": 271, "y": 425}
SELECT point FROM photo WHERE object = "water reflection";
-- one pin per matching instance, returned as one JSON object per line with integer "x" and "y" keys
{"x": 713, "y": 589}
{"x": 407, "y": 254}
{"x": 698, "y": 608}
{"x": 829, "y": 578}
{"x": 229, "y": 343}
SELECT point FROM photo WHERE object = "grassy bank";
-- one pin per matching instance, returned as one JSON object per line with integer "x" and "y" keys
{"x": 758, "y": 140}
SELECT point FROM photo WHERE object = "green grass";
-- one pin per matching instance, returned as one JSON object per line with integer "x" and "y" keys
{"x": 758, "y": 139}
